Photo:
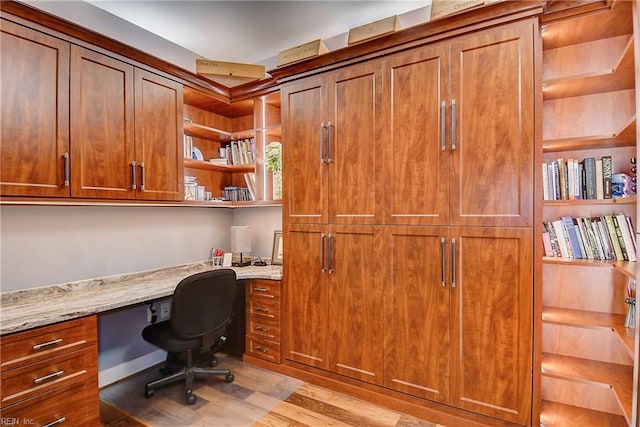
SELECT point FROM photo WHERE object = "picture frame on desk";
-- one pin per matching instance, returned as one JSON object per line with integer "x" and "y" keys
{"x": 276, "y": 254}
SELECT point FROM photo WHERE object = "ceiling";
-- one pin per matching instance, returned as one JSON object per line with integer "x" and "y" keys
{"x": 254, "y": 31}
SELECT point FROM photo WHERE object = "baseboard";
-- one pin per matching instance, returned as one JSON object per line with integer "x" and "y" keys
{"x": 123, "y": 370}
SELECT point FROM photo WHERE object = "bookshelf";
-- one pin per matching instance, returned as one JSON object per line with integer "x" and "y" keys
{"x": 212, "y": 124}
{"x": 587, "y": 355}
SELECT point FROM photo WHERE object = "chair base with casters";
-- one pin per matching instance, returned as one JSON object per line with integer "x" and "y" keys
{"x": 187, "y": 373}
{"x": 201, "y": 310}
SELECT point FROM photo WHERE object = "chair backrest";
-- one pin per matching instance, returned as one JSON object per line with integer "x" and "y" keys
{"x": 203, "y": 303}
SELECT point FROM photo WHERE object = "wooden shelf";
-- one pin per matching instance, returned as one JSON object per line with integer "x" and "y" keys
{"x": 623, "y": 137}
{"x": 592, "y": 320}
{"x": 199, "y": 164}
{"x": 205, "y": 132}
{"x": 589, "y": 68}
{"x": 556, "y": 414}
{"x": 587, "y": 202}
{"x": 627, "y": 268}
{"x": 619, "y": 378}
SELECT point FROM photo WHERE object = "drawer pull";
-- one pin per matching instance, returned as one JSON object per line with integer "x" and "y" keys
{"x": 262, "y": 349}
{"x": 56, "y": 422}
{"x": 262, "y": 329}
{"x": 46, "y": 344}
{"x": 261, "y": 309}
{"x": 48, "y": 377}
{"x": 261, "y": 289}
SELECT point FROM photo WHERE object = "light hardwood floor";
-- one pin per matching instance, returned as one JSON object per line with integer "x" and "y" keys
{"x": 257, "y": 398}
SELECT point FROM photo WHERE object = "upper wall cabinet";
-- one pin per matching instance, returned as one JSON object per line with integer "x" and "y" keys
{"x": 34, "y": 110}
{"x": 125, "y": 130}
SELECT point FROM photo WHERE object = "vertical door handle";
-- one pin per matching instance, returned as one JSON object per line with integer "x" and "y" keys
{"x": 453, "y": 124}
{"x": 453, "y": 262}
{"x": 322, "y": 137}
{"x": 443, "y": 265}
{"x": 330, "y": 253}
{"x": 133, "y": 175}
{"x": 443, "y": 131}
{"x": 56, "y": 422}
{"x": 65, "y": 157}
{"x": 329, "y": 142}
{"x": 142, "y": 176}
{"x": 322, "y": 252}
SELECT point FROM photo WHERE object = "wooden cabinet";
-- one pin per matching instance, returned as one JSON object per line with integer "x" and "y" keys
{"x": 34, "y": 110}
{"x": 50, "y": 374}
{"x": 460, "y": 130}
{"x": 588, "y": 358}
{"x": 125, "y": 130}
{"x": 441, "y": 305}
{"x": 333, "y": 145}
{"x": 334, "y": 306}
{"x": 263, "y": 335}
{"x": 439, "y": 145}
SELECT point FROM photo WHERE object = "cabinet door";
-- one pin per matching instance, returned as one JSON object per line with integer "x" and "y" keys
{"x": 417, "y": 153}
{"x": 354, "y": 145}
{"x": 158, "y": 137}
{"x": 417, "y": 289}
{"x": 356, "y": 312}
{"x": 491, "y": 318}
{"x": 306, "y": 295}
{"x": 102, "y": 138}
{"x": 34, "y": 111}
{"x": 305, "y": 178}
{"x": 492, "y": 137}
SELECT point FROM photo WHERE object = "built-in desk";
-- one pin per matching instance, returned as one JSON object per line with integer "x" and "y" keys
{"x": 48, "y": 363}
{"x": 32, "y": 308}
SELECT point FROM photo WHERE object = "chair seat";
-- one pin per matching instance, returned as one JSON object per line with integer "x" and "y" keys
{"x": 161, "y": 335}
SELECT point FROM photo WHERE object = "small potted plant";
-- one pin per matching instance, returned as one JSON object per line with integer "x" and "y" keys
{"x": 273, "y": 162}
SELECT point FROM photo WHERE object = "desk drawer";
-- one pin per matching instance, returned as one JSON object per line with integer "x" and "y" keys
{"x": 39, "y": 378}
{"x": 38, "y": 344}
{"x": 75, "y": 405}
{"x": 265, "y": 329}
{"x": 264, "y": 349}
{"x": 264, "y": 309}
{"x": 264, "y": 289}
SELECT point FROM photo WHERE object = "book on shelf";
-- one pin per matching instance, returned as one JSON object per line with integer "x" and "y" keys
{"x": 242, "y": 152}
{"x": 607, "y": 175}
{"x": 236, "y": 194}
{"x": 606, "y": 237}
{"x": 250, "y": 179}
{"x": 599, "y": 182}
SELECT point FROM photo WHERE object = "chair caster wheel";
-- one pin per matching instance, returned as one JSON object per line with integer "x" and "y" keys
{"x": 148, "y": 392}
{"x": 191, "y": 398}
{"x": 213, "y": 363}
{"x": 229, "y": 378}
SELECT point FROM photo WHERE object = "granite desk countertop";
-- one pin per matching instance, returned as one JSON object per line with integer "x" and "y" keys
{"x": 31, "y": 308}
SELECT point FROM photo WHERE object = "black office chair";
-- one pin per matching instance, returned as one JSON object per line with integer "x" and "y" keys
{"x": 201, "y": 309}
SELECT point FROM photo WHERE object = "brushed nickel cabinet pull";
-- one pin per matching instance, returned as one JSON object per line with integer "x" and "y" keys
{"x": 322, "y": 236}
{"x": 322, "y": 137}
{"x": 262, "y": 349}
{"x": 261, "y": 309}
{"x": 133, "y": 175}
{"x": 65, "y": 156}
{"x": 48, "y": 377}
{"x": 56, "y": 422}
{"x": 453, "y": 263}
{"x": 260, "y": 289}
{"x": 142, "y": 176}
{"x": 330, "y": 253}
{"x": 46, "y": 344}
{"x": 261, "y": 329}
{"x": 329, "y": 143}
{"x": 443, "y": 128}
{"x": 453, "y": 124}
{"x": 443, "y": 265}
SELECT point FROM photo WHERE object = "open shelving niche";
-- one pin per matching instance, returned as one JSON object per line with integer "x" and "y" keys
{"x": 213, "y": 124}
{"x": 587, "y": 354}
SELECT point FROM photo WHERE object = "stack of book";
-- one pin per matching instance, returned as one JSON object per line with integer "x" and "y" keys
{"x": 608, "y": 237}
{"x": 241, "y": 152}
{"x": 573, "y": 179}
{"x": 237, "y": 194}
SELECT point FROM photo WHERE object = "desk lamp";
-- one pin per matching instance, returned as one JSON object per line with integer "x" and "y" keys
{"x": 240, "y": 242}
